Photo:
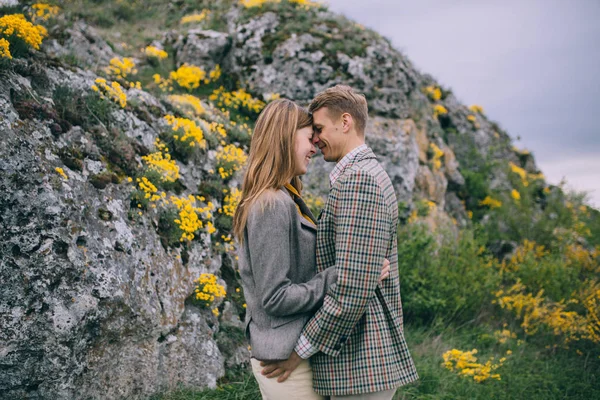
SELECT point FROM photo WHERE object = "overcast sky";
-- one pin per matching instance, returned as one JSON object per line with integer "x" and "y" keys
{"x": 533, "y": 65}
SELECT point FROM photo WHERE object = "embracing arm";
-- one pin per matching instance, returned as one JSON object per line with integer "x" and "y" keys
{"x": 270, "y": 255}
{"x": 361, "y": 241}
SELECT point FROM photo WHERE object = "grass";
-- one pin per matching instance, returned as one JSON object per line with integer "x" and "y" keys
{"x": 531, "y": 372}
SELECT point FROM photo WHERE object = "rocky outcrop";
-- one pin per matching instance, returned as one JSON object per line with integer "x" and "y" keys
{"x": 91, "y": 301}
{"x": 92, "y": 298}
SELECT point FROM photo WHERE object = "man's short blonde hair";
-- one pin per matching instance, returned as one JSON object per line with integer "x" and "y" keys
{"x": 343, "y": 99}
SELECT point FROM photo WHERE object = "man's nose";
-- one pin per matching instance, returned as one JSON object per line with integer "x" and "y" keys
{"x": 315, "y": 139}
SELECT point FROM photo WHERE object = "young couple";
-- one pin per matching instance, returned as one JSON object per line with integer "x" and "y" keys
{"x": 321, "y": 290}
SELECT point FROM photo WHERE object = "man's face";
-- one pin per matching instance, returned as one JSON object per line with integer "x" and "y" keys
{"x": 328, "y": 136}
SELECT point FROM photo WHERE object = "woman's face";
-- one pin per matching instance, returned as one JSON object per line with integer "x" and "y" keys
{"x": 304, "y": 149}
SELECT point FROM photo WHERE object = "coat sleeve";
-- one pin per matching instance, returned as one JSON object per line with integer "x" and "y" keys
{"x": 269, "y": 239}
{"x": 362, "y": 235}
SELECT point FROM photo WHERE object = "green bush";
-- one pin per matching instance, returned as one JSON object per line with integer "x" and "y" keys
{"x": 444, "y": 277}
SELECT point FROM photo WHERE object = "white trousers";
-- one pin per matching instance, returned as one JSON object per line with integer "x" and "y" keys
{"x": 298, "y": 386}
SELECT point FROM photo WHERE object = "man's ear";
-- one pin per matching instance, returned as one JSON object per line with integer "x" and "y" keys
{"x": 347, "y": 122}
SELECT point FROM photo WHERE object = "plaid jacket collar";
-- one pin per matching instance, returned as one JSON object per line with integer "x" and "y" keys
{"x": 345, "y": 161}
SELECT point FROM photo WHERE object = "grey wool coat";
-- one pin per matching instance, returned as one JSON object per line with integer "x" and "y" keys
{"x": 278, "y": 270}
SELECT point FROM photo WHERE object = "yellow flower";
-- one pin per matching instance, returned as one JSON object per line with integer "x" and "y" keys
{"x": 231, "y": 202}
{"x": 433, "y": 92}
{"x": 490, "y": 202}
{"x": 121, "y": 67}
{"x": 521, "y": 172}
{"x": 61, "y": 172}
{"x": 229, "y": 160}
{"x": 188, "y": 76}
{"x": 192, "y": 133}
{"x": 465, "y": 364}
{"x": 437, "y": 155}
{"x": 236, "y": 100}
{"x": 4, "y": 49}
{"x": 43, "y": 11}
{"x": 476, "y": 109}
{"x": 16, "y": 24}
{"x": 195, "y": 17}
{"x": 189, "y": 215}
{"x": 163, "y": 164}
{"x": 439, "y": 109}
{"x": 515, "y": 194}
{"x": 155, "y": 52}
{"x": 114, "y": 91}
{"x": 187, "y": 102}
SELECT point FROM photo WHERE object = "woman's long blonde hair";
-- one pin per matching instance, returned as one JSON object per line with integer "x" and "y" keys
{"x": 272, "y": 160}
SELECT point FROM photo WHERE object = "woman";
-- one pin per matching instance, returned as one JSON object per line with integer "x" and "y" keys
{"x": 277, "y": 240}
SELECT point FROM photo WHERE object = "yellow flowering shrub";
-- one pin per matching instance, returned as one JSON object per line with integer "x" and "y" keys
{"x": 229, "y": 160}
{"x": 4, "y": 49}
{"x": 314, "y": 203}
{"x": 433, "y": 92}
{"x": 538, "y": 312}
{"x": 188, "y": 220}
{"x": 490, "y": 202}
{"x": 114, "y": 91}
{"x": 515, "y": 194}
{"x": 149, "y": 189}
{"x": 504, "y": 335}
{"x": 524, "y": 175}
{"x": 155, "y": 52}
{"x": 188, "y": 76}
{"x": 239, "y": 99}
{"x": 120, "y": 68}
{"x": 437, "y": 155}
{"x": 163, "y": 84}
{"x": 15, "y": 26}
{"x": 194, "y": 18}
{"x": 476, "y": 109}
{"x": 521, "y": 172}
{"x": 61, "y": 172}
{"x": 215, "y": 73}
{"x": 192, "y": 134}
{"x": 231, "y": 201}
{"x": 218, "y": 128}
{"x": 43, "y": 12}
{"x": 528, "y": 250}
{"x": 465, "y": 363}
{"x": 160, "y": 161}
{"x": 438, "y": 110}
{"x": 187, "y": 103}
{"x": 208, "y": 290}
{"x": 259, "y": 3}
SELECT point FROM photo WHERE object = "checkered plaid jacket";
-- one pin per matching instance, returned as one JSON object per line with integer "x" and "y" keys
{"x": 359, "y": 330}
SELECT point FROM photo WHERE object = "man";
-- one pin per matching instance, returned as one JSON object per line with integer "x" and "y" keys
{"x": 356, "y": 339}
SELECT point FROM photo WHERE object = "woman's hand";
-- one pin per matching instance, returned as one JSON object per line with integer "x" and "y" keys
{"x": 385, "y": 270}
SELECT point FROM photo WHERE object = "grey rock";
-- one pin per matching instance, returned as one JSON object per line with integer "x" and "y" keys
{"x": 203, "y": 48}
{"x": 84, "y": 44}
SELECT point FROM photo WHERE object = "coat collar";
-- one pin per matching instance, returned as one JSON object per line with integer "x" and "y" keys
{"x": 359, "y": 154}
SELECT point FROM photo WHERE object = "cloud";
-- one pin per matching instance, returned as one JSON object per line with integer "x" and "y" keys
{"x": 581, "y": 174}
{"x": 532, "y": 65}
